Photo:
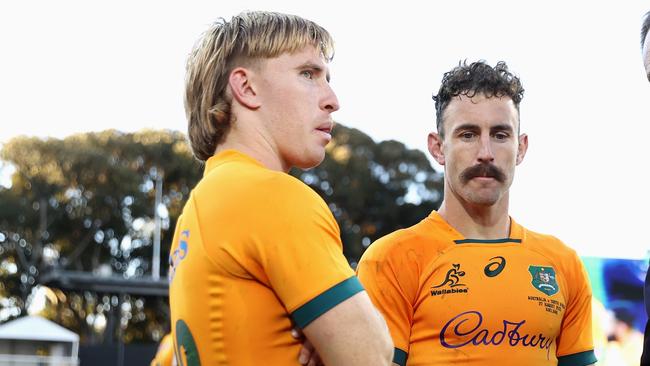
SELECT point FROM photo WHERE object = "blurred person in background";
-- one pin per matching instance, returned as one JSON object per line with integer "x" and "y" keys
{"x": 625, "y": 341}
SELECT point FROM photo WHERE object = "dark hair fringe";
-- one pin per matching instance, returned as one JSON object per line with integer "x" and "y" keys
{"x": 477, "y": 78}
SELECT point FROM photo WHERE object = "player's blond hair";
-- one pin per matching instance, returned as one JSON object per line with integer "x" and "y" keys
{"x": 245, "y": 39}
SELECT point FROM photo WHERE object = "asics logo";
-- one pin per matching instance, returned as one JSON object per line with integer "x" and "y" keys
{"x": 495, "y": 267}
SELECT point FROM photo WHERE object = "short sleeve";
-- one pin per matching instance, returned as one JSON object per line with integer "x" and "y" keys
{"x": 300, "y": 250}
{"x": 575, "y": 343}
{"x": 388, "y": 281}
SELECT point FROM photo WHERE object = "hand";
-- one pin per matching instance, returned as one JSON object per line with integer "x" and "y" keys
{"x": 308, "y": 355}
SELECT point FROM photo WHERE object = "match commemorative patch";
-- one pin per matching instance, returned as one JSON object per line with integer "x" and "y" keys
{"x": 544, "y": 279}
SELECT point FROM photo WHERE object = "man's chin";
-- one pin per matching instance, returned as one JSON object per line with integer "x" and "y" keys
{"x": 485, "y": 199}
{"x": 309, "y": 162}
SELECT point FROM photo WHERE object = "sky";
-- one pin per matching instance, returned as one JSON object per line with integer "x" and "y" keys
{"x": 78, "y": 66}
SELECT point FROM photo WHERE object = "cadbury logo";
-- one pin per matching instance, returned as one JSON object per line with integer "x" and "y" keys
{"x": 465, "y": 329}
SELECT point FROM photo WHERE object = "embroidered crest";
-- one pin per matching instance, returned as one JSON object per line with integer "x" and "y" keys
{"x": 544, "y": 279}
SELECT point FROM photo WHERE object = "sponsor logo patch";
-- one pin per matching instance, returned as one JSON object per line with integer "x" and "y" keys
{"x": 469, "y": 329}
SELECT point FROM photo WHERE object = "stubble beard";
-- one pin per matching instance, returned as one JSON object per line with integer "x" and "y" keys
{"x": 483, "y": 199}
{"x": 482, "y": 196}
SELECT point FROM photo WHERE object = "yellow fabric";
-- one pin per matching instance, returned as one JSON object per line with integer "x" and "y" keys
{"x": 443, "y": 308}
{"x": 252, "y": 246}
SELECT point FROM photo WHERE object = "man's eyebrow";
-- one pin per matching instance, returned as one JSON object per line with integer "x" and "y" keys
{"x": 316, "y": 67}
{"x": 466, "y": 126}
{"x": 475, "y": 127}
{"x": 502, "y": 127}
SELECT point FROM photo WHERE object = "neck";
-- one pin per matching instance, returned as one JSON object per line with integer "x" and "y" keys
{"x": 248, "y": 137}
{"x": 257, "y": 152}
{"x": 476, "y": 221}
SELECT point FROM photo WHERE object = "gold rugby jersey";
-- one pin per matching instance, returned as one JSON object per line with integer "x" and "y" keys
{"x": 255, "y": 253}
{"x": 451, "y": 300}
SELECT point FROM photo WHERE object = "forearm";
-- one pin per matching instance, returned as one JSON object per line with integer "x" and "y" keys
{"x": 352, "y": 333}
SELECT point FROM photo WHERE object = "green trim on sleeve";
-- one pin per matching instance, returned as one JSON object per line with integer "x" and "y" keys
{"x": 326, "y": 301}
{"x": 577, "y": 359}
{"x": 487, "y": 241}
{"x": 399, "y": 357}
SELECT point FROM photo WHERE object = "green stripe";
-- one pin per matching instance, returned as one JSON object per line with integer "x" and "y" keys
{"x": 399, "y": 357}
{"x": 487, "y": 241}
{"x": 326, "y": 301}
{"x": 577, "y": 359}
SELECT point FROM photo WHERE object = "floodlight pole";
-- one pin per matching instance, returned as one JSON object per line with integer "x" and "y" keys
{"x": 155, "y": 266}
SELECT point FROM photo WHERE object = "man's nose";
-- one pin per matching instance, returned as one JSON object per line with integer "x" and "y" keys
{"x": 330, "y": 102}
{"x": 485, "y": 154}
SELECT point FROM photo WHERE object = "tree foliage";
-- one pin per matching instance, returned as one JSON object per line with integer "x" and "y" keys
{"x": 373, "y": 188}
{"x": 86, "y": 203}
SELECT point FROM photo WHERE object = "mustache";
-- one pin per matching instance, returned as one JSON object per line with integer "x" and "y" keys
{"x": 482, "y": 170}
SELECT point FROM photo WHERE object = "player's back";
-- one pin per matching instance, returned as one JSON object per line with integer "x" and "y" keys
{"x": 223, "y": 306}
{"x": 235, "y": 282}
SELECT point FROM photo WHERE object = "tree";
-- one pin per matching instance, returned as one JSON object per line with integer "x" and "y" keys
{"x": 86, "y": 203}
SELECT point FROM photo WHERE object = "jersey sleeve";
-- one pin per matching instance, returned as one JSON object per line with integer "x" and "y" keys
{"x": 575, "y": 343}
{"x": 301, "y": 253}
{"x": 389, "y": 282}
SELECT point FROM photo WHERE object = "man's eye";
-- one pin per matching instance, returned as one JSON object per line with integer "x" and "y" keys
{"x": 308, "y": 74}
{"x": 501, "y": 136}
{"x": 467, "y": 135}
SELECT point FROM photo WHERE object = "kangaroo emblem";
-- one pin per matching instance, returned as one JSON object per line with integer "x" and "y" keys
{"x": 453, "y": 277}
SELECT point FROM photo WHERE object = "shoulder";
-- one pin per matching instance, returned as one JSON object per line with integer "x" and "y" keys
{"x": 393, "y": 263}
{"x": 553, "y": 249}
{"x": 289, "y": 195}
{"x": 548, "y": 243}
{"x": 411, "y": 243}
{"x": 248, "y": 185}
{"x": 290, "y": 187}
{"x": 243, "y": 174}
{"x": 389, "y": 245}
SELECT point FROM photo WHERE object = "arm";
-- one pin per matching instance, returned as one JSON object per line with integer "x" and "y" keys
{"x": 575, "y": 342}
{"x": 304, "y": 263}
{"x": 388, "y": 279}
{"x": 351, "y": 333}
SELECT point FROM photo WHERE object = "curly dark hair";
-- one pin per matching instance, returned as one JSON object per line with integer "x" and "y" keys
{"x": 477, "y": 78}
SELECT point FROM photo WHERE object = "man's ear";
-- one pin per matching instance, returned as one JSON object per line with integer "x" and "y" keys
{"x": 522, "y": 148}
{"x": 435, "y": 147}
{"x": 242, "y": 88}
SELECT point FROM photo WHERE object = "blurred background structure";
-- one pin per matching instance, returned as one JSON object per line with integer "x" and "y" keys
{"x": 36, "y": 341}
